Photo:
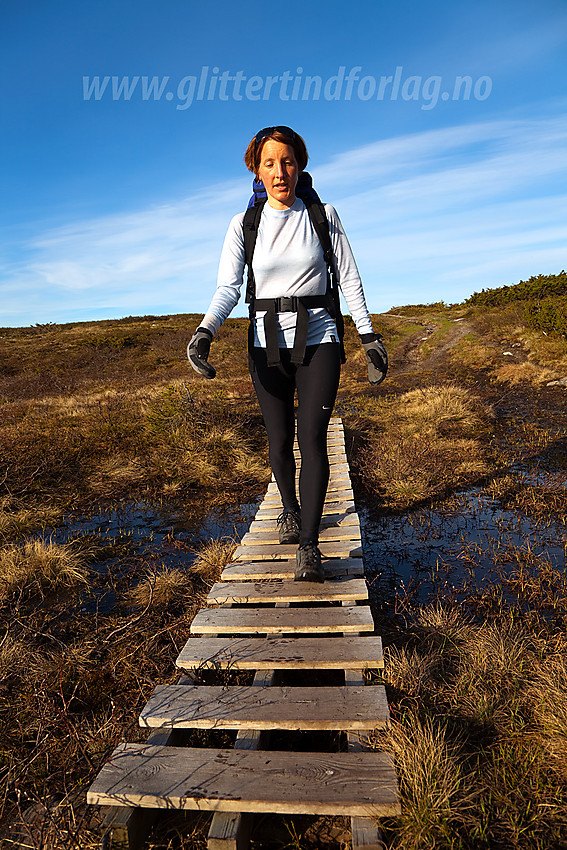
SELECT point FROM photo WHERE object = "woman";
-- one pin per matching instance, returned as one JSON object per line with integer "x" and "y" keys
{"x": 290, "y": 280}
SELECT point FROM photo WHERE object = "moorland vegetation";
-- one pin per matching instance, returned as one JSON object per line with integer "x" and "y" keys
{"x": 100, "y": 415}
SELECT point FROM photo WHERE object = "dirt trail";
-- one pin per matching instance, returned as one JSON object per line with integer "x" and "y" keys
{"x": 407, "y": 358}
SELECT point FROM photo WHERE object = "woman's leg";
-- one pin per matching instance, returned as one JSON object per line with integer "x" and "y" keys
{"x": 317, "y": 382}
{"x": 275, "y": 388}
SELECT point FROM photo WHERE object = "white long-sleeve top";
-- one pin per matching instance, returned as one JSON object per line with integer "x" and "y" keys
{"x": 288, "y": 260}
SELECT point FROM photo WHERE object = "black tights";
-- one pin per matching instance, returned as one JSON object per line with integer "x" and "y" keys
{"x": 316, "y": 381}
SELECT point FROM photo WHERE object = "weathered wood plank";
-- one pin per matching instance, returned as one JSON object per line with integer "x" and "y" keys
{"x": 285, "y": 570}
{"x": 337, "y": 491}
{"x": 126, "y": 827}
{"x": 237, "y": 707}
{"x": 240, "y": 780}
{"x": 282, "y": 653}
{"x": 340, "y": 491}
{"x": 338, "y": 469}
{"x": 250, "y": 593}
{"x": 239, "y": 621}
{"x": 264, "y": 518}
{"x": 286, "y": 551}
{"x": 335, "y": 449}
{"x": 326, "y": 535}
{"x": 337, "y": 502}
{"x": 269, "y": 513}
{"x": 338, "y": 479}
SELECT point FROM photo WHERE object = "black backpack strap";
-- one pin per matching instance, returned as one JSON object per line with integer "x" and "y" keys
{"x": 320, "y": 224}
{"x": 250, "y": 227}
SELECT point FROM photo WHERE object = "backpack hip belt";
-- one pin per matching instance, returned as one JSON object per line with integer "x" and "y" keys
{"x": 288, "y": 304}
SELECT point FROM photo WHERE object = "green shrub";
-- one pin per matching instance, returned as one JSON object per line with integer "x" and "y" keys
{"x": 536, "y": 288}
{"x": 549, "y": 315}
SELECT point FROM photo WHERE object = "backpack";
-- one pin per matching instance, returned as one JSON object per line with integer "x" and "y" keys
{"x": 330, "y": 301}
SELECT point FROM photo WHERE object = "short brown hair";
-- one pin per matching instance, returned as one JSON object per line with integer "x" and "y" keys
{"x": 254, "y": 149}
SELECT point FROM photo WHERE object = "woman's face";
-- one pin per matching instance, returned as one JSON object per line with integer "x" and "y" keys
{"x": 278, "y": 171}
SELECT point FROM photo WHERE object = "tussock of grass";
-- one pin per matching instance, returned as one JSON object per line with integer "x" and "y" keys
{"x": 162, "y": 587}
{"x": 433, "y": 786}
{"x": 423, "y": 443}
{"x": 38, "y": 564}
{"x": 410, "y": 671}
{"x": 525, "y": 373}
{"x": 16, "y": 520}
{"x": 212, "y": 558}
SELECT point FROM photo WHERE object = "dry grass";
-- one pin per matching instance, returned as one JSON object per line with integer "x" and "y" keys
{"x": 161, "y": 587}
{"x": 17, "y": 520}
{"x": 525, "y": 373}
{"x": 478, "y": 733}
{"x": 212, "y": 558}
{"x": 422, "y": 444}
{"x": 42, "y": 565}
{"x": 434, "y": 789}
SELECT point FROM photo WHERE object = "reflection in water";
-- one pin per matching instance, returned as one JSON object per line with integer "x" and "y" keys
{"x": 457, "y": 544}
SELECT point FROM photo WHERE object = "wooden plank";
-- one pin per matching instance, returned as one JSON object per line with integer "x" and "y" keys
{"x": 338, "y": 519}
{"x": 285, "y": 570}
{"x": 338, "y": 470}
{"x": 210, "y": 779}
{"x": 250, "y": 593}
{"x": 282, "y": 653}
{"x": 239, "y": 621}
{"x": 286, "y": 551}
{"x": 343, "y": 515}
{"x": 237, "y": 707}
{"x": 326, "y": 535}
{"x": 335, "y": 446}
{"x": 336, "y": 491}
{"x": 335, "y": 453}
{"x": 337, "y": 480}
{"x": 343, "y": 495}
{"x": 271, "y": 512}
{"x": 231, "y": 830}
{"x": 126, "y": 827}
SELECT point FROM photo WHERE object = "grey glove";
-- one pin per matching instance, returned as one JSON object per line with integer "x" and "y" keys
{"x": 198, "y": 352}
{"x": 376, "y": 356}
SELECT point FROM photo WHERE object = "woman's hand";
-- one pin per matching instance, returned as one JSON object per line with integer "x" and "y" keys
{"x": 198, "y": 352}
{"x": 376, "y": 356}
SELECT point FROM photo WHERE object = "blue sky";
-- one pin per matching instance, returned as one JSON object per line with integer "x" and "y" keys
{"x": 116, "y": 206}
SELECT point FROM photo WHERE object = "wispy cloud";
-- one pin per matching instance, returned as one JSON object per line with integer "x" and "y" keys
{"x": 431, "y": 216}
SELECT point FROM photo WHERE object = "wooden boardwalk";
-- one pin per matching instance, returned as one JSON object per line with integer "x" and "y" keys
{"x": 258, "y": 619}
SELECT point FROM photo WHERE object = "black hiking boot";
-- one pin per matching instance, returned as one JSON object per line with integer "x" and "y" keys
{"x": 289, "y": 526}
{"x": 308, "y": 563}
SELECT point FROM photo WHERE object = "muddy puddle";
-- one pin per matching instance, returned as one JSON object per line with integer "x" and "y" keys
{"x": 455, "y": 547}
{"x": 153, "y": 529}
{"x": 422, "y": 554}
